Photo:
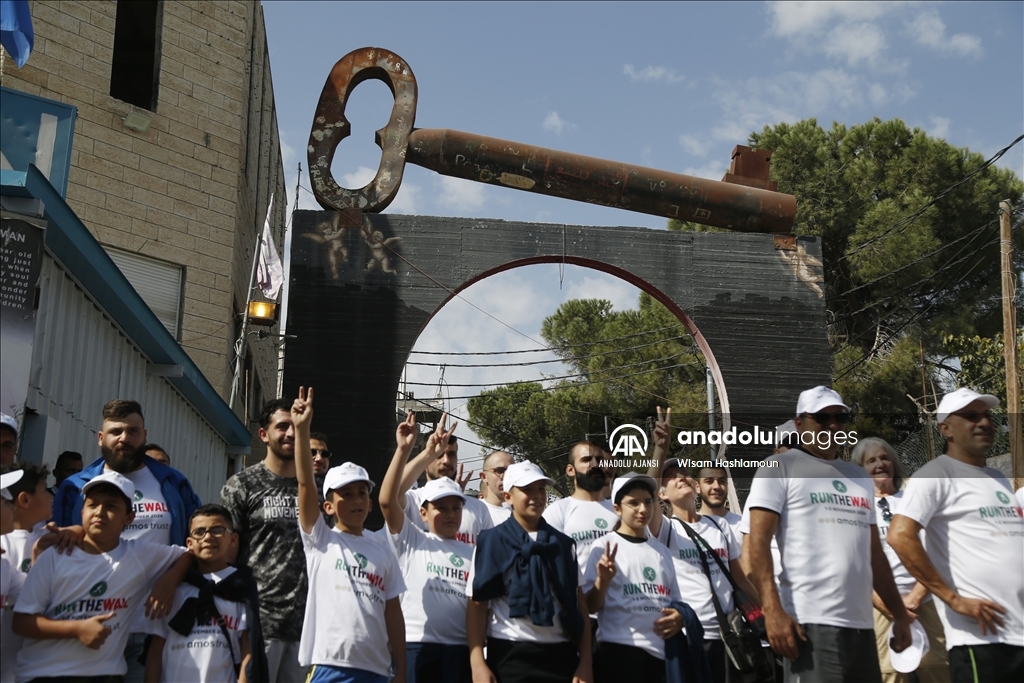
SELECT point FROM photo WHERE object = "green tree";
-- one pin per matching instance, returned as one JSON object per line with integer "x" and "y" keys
{"x": 911, "y": 253}
{"x": 625, "y": 364}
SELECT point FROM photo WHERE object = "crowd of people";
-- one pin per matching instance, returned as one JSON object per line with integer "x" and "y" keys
{"x": 848, "y": 570}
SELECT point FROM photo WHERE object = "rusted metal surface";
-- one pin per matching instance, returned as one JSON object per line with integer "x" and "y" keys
{"x": 746, "y": 202}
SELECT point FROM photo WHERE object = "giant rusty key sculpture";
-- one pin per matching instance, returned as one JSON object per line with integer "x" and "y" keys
{"x": 745, "y": 201}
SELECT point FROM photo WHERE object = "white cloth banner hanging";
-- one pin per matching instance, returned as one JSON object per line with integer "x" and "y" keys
{"x": 269, "y": 272}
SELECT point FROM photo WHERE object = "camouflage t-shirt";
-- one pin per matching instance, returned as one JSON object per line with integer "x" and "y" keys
{"x": 265, "y": 511}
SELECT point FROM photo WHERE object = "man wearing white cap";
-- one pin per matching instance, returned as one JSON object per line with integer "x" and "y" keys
{"x": 974, "y": 562}
{"x": 525, "y": 601}
{"x": 8, "y": 439}
{"x": 821, "y": 509}
{"x": 435, "y": 566}
{"x": 11, "y": 580}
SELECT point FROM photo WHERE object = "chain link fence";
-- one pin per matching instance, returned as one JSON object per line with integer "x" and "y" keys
{"x": 917, "y": 449}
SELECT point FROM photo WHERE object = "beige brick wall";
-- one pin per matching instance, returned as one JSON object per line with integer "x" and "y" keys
{"x": 191, "y": 190}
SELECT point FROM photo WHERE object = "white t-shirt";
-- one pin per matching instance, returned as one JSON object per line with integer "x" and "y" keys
{"x": 17, "y": 546}
{"x": 11, "y": 581}
{"x": 904, "y": 581}
{"x": 80, "y": 586}
{"x": 435, "y": 572}
{"x": 1020, "y": 496}
{"x": 644, "y": 584}
{"x": 694, "y": 586}
{"x": 152, "y": 517}
{"x": 204, "y": 654}
{"x": 350, "y": 579}
{"x": 975, "y": 538}
{"x": 499, "y": 513}
{"x": 584, "y": 521}
{"x": 826, "y": 510}
{"x": 730, "y": 518}
{"x": 502, "y": 626}
{"x": 475, "y": 516}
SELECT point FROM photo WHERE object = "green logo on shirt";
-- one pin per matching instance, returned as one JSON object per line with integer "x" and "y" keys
{"x": 456, "y": 560}
{"x": 138, "y": 496}
{"x": 26, "y": 564}
{"x": 361, "y": 561}
{"x": 601, "y": 523}
{"x": 99, "y": 589}
{"x": 1003, "y": 498}
{"x": 650, "y": 574}
{"x": 839, "y": 486}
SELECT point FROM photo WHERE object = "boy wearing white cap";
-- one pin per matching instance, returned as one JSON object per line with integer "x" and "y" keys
{"x": 525, "y": 602}
{"x": 629, "y": 583}
{"x": 821, "y": 510}
{"x": 353, "y": 629}
{"x": 974, "y": 562}
{"x": 10, "y": 581}
{"x": 74, "y": 611}
{"x": 435, "y": 566}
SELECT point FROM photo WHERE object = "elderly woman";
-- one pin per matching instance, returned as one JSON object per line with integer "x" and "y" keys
{"x": 882, "y": 464}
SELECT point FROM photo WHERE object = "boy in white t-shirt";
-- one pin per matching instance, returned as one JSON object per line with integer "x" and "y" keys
{"x": 32, "y": 503}
{"x": 10, "y": 579}
{"x": 74, "y": 610}
{"x": 629, "y": 583}
{"x": 206, "y": 636}
{"x": 525, "y": 602}
{"x": 435, "y": 566}
{"x": 353, "y": 631}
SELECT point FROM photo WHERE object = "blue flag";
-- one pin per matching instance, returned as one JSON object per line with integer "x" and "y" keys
{"x": 16, "y": 33}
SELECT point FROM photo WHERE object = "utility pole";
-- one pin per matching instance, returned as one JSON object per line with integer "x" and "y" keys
{"x": 1013, "y": 403}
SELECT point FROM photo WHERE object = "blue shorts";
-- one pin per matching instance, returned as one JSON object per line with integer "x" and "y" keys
{"x": 325, "y": 673}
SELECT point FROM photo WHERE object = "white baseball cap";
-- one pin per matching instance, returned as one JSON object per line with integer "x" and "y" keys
{"x": 960, "y": 399}
{"x": 343, "y": 475}
{"x": 9, "y": 479}
{"x": 436, "y": 489}
{"x": 909, "y": 659}
{"x": 621, "y": 481}
{"x": 121, "y": 482}
{"x": 813, "y": 400}
{"x": 8, "y": 421}
{"x": 523, "y": 474}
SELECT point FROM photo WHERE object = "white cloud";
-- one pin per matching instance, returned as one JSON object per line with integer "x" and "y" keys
{"x": 460, "y": 195}
{"x": 696, "y": 145}
{"x": 556, "y": 124}
{"x": 856, "y": 42}
{"x": 713, "y": 170}
{"x": 795, "y": 19}
{"x": 939, "y": 127}
{"x": 928, "y": 29}
{"x": 620, "y": 293}
{"x": 653, "y": 74}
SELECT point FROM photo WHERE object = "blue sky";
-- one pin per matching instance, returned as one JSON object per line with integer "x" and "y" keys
{"x": 673, "y": 86}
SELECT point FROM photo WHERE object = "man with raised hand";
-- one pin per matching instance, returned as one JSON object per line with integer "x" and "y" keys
{"x": 263, "y": 500}
{"x": 586, "y": 515}
{"x": 491, "y": 484}
{"x": 974, "y": 562}
{"x": 821, "y": 509}
{"x": 439, "y": 459}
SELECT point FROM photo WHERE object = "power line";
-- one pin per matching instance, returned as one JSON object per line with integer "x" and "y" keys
{"x": 547, "y": 348}
{"x": 575, "y": 359}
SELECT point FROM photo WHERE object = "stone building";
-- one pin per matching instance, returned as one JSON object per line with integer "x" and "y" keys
{"x": 175, "y": 157}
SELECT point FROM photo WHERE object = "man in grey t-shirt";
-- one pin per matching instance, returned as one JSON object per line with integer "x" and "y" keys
{"x": 263, "y": 500}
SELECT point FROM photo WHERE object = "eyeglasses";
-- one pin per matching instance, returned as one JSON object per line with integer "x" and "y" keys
{"x": 199, "y": 533}
{"x": 975, "y": 417}
{"x": 500, "y": 471}
{"x": 824, "y": 418}
{"x": 322, "y": 452}
{"x": 886, "y": 510}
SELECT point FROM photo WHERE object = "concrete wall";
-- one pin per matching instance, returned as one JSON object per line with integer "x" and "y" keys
{"x": 193, "y": 189}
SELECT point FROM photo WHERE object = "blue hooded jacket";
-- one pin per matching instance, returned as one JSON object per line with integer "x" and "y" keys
{"x": 181, "y": 500}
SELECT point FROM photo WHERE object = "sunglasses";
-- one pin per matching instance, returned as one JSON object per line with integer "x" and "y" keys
{"x": 199, "y": 533}
{"x": 500, "y": 471}
{"x": 322, "y": 452}
{"x": 824, "y": 418}
{"x": 886, "y": 510}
